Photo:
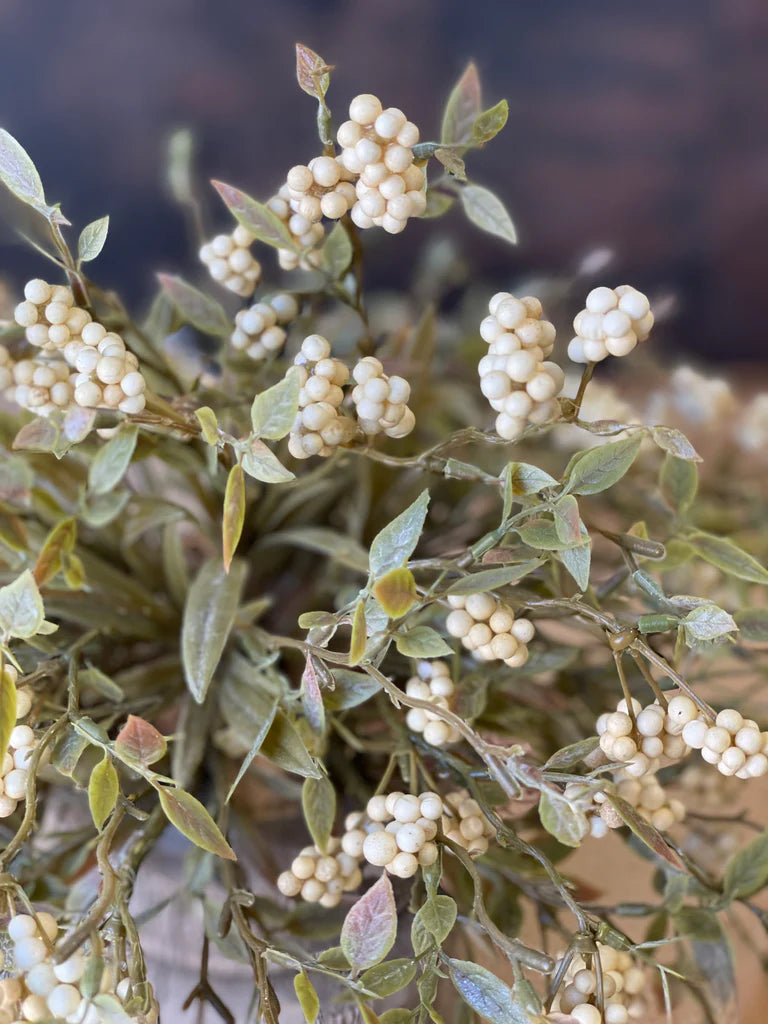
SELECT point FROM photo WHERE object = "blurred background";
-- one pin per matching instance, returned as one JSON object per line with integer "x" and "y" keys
{"x": 640, "y": 127}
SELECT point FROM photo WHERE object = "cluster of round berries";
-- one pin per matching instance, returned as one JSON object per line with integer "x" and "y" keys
{"x": 380, "y": 401}
{"x": 49, "y": 315}
{"x": 433, "y": 683}
{"x": 231, "y": 263}
{"x": 319, "y": 427}
{"x": 259, "y": 331}
{"x": 623, "y": 985}
{"x": 322, "y": 188}
{"x": 376, "y": 147}
{"x": 309, "y": 241}
{"x": 515, "y": 377}
{"x": 321, "y": 877}
{"x": 465, "y": 824}
{"x": 21, "y": 743}
{"x": 654, "y": 733}
{"x": 614, "y": 321}
{"x": 40, "y": 989}
{"x": 41, "y": 385}
{"x": 646, "y": 794}
{"x": 402, "y": 835}
{"x": 734, "y": 744}
{"x": 488, "y": 628}
{"x": 107, "y": 374}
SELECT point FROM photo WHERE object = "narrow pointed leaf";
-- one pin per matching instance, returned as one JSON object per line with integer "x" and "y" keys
{"x": 19, "y": 174}
{"x": 394, "y": 545}
{"x": 103, "y": 788}
{"x": 209, "y": 613}
{"x": 307, "y": 997}
{"x": 193, "y": 821}
{"x": 359, "y": 635}
{"x": 234, "y": 514}
{"x": 111, "y": 462}
{"x": 255, "y": 217}
{"x": 463, "y": 108}
{"x": 488, "y": 212}
{"x": 485, "y": 993}
{"x": 7, "y": 708}
{"x": 318, "y": 801}
{"x": 729, "y": 557}
{"x": 198, "y": 309}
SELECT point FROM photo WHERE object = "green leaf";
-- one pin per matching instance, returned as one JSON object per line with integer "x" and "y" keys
{"x": 729, "y": 557}
{"x": 209, "y": 614}
{"x": 753, "y": 625}
{"x": 255, "y": 217}
{"x": 370, "y": 927}
{"x": 208, "y": 424}
{"x": 311, "y": 696}
{"x": 462, "y": 109}
{"x": 140, "y": 741}
{"x": 421, "y": 642}
{"x": 193, "y": 821}
{"x": 396, "y": 592}
{"x": 541, "y": 534}
{"x": 306, "y": 995}
{"x": 438, "y": 203}
{"x": 359, "y": 635}
{"x": 263, "y": 731}
{"x": 318, "y": 802}
{"x": 92, "y": 239}
{"x": 59, "y": 543}
{"x": 488, "y": 212}
{"x": 284, "y": 746}
{"x": 341, "y": 548}
{"x": 567, "y": 521}
{"x": 274, "y": 410}
{"x": 337, "y": 251}
{"x": 233, "y": 515}
{"x": 599, "y": 468}
{"x": 390, "y": 977}
{"x": 493, "y": 579}
{"x": 679, "y": 482}
{"x": 394, "y": 545}
{"x": 675, "y": 443}
{"x": 645, "y": 832}
{"x": 432, "y": 923}
{"x": 103, "y": 790}
{"x": 570, "y": 756}
{"x": 111, "y": 462}
{"x": 351, "y": 690}
{"x": 707, "y": 622}
{"x": 7, "y": 707}
{"x": 577, "y": 561}
{"x": 262, "y": 464}
{"x": 489, "y": 123}
{"x": 19, "y": 174}
{"x": 562, "y": 819}
{"x": 520, "y": 478}
{"x": 110, "y": 1010}
{"x": 484, "y": 992}
{"x": 198, "y": 309}
{"x": 747, "y": 871}
{"x": 21, "y": 607}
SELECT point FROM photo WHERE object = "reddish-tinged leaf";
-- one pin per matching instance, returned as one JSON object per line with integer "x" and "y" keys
{"x": 312, "y": 698}
{"x": 463, "y": 107}
{"x": 255, "y": 217}
{"x": 370, "y": 927}
{"x": 140, "y": 741}
{"x": 60, "y": 541}
{"x": 312, "y": 73}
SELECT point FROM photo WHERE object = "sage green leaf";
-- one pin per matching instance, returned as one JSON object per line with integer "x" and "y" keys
{"x": 485, "y": 993}
{"x": 41, "y": 435}
{"x": 341, "y": 548}
{"x": 337, "y": 251}
{"x": 462, "y": 109}
{"x": 747, "y": 871}
{"x": 178, "y": 170}
{"x": 645, "y": 832}
{"x": 287, "y": 750}
{"x": 567, "y": 522}
{"x": 599, "y": 468}
{"x": 318, "y": 802}
{"x": 432, "y": 923}
{"x": 312, "y": 697}
{"x": 309, "y": 1000}
{"x": 395, "y": 544}
{"x": 7, "y": 707}
{"x": 140, "y": 741}
{"x": 256, "y": 217}
{"x": 112, "y": 460}
{"x": 198, "y": 309}
{"x": 274, "y": 410}
{"x": 92, "y": 239}
{"x": 753, "y": 625}
{"x": 263, "y": 731}
{"x": 390, "y": 977}
{"x": 578, "y": 561}
{"x": 488, "y": 124}
{"x": 541, "y": 534}
{"x": 103, "y": 790}
{"x": 729, "y": 557}
{"x": 21, "y": 607}
{"x": 707, "y": 622}
{"x": 493, "y": 579}
{"x": 438, "y": 203}
{"x": 262, "y": 464}
{"x": 421, "y": 642}
{"x": 679, "y": 482}
{"x": 233, "y": 515}
{"x": 562, "y": 818}
{"x": 488, "y": 212}
{"x": 209, "y": 613}
{"x": 370, "y": 927}
{"x": 193, "y": 821}
{"x": 351, "y": 690}
{"x": 19, "y": 174}
{"x": 675, "y": 443}
{"x": 520, "y": 478}
{"x": 312, "y": 72}
{"x": 570, "y": 756}
{"x": 68, "y": 750}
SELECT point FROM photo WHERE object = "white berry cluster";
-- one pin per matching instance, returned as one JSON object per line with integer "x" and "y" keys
{"x": 49, "y": 315}
{"x": 322, "y": 188}
{"x": 623, "y": 985}
{"x": 488, "y": 628}
{"x": 259, "y": 330}
{"x": 231, "y": 263}
{"x": 381, "y": 401}
{"x": 646, "y": 794}
{"x": 376, "y": 147}
{"x": 21, "y": 743}
{"x": 614, "y": 321}
{"x": 465, "y": 824}
{"x": 654, "y": 734}
{"x": 734, "y": 744}
{"x": 320, "y": 427}
{"x": 321, "y": 877}
{"x": 41, "y": 385}
{"x": 285, "y": 208}
{"x": 107, "y": 374}
{"x": 520, "y": 385}
{"x": 402, "y": 835}
{"x": 433, "y": 683}
{"x": 40, "y": 989}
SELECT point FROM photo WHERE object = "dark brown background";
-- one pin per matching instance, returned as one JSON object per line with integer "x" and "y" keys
{"x": 640, "y": 126}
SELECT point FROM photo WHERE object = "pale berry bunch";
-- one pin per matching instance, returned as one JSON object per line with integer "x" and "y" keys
{"x": 624, "y": 983}
{"x": 259, "y": 331}
{"x": 650, "y": 799}
{"x": 381, "y": 401}
{"x": 322, "y": 188}
{"x": 39, "y": 989}
{"x": 6, "y": 369}
{"x": 107, "y": 374}
{"x": 433, "y": 683}
{"x": 402, "y": 837}
{"x": 612, "y": 324}
{"x": 321, "y": 877}
{"x": 641, "y": 739}
{"x": 49, "y": 315}
{"x": 488, "y": 628}
{"x": 734, "y": 744}
{"x": 515, "y": 377}
{"x": 41, "y": 385}
{"x": 320, "y": 427}
{"x": 464, "y": 823}
{"x": 377, "y": 149}
{"x": 309, "y": 241}
{"x": 231, "y": 263}
{"x": 14, "y": 768}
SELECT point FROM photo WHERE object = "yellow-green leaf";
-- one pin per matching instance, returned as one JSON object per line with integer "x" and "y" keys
{"x": 103, "y": 789}
{"x": 396, "y": 592}
{"x": 7, "y": 707}
{"x": 193, "y": 821}
{"x": 209, "y": 425}
{"x": 111, "y": 461}
{"x": 59, "y": 542}
{"x": 307, "y": 997}
{"x": 198, "y": 309}
{"x": 234, "y": 514}
{"x": 359, "y": 635}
